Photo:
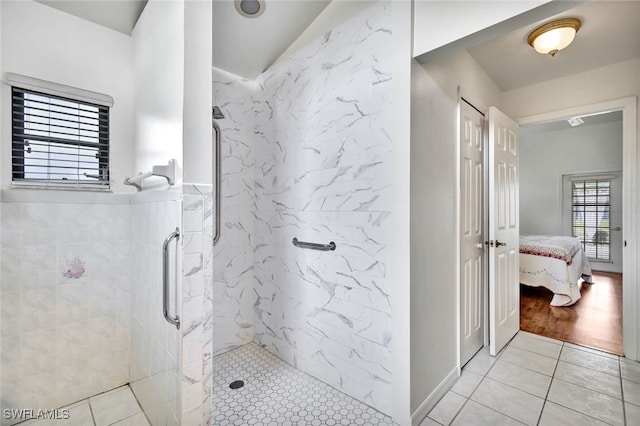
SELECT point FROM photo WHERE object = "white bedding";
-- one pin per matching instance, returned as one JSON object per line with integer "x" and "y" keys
{"x": 556, "y": 263}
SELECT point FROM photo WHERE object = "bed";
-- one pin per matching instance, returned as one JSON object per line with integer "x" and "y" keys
{"x": 556, "y": 263}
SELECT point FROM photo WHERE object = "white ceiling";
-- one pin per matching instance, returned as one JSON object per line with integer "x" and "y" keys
{"x": 243, "y": 46}
{"x": 119, "y": 15}
{"x": 248, "y": 46}
{"x": 610, "y": 33}
{"x": 589, "y": 120}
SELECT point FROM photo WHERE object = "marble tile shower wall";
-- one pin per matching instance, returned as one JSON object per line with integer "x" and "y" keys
{"x": 155, "y": 344}
{"x": 65, "y": 299}
{"x": 323, "y": 173}
{"x": 197, "y": 304}
{"x": 233, "y": 255}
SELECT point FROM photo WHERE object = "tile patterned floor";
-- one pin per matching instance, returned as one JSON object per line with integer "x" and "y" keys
{"x": 117, "y": 407}
{"x": 277, "y": 394}
{"x": 540, "y": 381}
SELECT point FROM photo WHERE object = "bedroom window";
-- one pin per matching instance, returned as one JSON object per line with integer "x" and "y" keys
{"x": 59, "y": 141}
{"x": 591, "y": 206}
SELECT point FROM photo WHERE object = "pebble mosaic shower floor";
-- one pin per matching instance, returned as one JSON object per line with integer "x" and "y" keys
{"x": 277, "y": 394}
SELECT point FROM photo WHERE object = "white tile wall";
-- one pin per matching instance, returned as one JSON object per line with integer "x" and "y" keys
{"x": 232, "y": 263}
{"x": 323, "y": 167}
{"x": 155, "y": 344}
{"x": 307, "y": 155}
{"x": 65, "y": 332}
{"x": 197, "y": 304}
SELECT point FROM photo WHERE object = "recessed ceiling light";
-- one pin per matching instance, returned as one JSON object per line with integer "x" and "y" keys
{"x": 250, "y": 8}
{"x": 554, "y": 36}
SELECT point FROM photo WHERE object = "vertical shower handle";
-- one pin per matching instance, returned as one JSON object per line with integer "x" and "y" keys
{"x": 218, "y": 179}
{"x": 165, "y": 278}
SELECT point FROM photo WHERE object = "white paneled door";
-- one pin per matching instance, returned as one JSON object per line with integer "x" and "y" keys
{"x": 471, "y": 231}
{"x": 504, "y": 287}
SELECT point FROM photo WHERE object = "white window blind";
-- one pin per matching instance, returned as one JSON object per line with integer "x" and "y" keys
{"x": 591, "y": 206}
{"x": 59, "y": 141}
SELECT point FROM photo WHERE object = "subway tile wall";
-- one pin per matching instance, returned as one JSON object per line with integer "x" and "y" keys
{"x": 65, "y": 298}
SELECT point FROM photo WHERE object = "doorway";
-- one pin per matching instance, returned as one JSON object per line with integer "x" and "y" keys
{"x": 609, "y": 270}
{"x": 571, "y": 185}
{"x": 611, "y": 288}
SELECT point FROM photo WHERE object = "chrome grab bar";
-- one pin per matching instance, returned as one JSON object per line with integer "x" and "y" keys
{"x": 218, "y": 179}
{"x": 315, "y": 246}
{"x": 165, "y": 278}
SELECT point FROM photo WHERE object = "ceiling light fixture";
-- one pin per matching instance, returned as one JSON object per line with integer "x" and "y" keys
{"x": 554, "y": 36}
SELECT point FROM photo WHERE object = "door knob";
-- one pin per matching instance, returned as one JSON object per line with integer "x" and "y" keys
{"x": 495, "y": 243}
{"x": 617, "y": 228}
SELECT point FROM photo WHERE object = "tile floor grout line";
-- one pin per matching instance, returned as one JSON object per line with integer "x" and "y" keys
{"x": 484, "y": 376}
{"x": 468, "y": 398}
{"x": 499, "y": 412}
{"x": 553, "y": 377}
{"x": 93, "y": 418}
{"x": 546, "y": 396}
{"x": 624, "y": 409}
{"x": 580, "y": 412}
{"x": 138, "y": 402}
{"x": 459, "y": 411}
{"x": 527, "y": 368}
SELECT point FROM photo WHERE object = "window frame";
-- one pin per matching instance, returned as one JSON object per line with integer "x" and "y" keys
{"x": 103, "y": 104}
{"x": 597, "y": 180}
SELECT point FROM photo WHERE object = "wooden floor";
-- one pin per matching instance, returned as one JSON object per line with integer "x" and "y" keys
{"x": 594, "y": 321}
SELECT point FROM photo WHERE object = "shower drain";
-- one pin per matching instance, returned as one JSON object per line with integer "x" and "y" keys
{"x": 236, "y": 384}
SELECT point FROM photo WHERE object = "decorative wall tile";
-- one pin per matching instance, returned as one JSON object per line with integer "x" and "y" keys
{"x": 65, "y": 282}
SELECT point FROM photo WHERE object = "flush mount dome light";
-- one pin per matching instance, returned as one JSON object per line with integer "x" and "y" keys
{"x": 554, "y": 36}
{"x": 250, "y": 8}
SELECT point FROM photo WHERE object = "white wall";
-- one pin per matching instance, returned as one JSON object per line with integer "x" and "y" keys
{"x": 546, "y": 155}
{"x": 197, "y": 92}
{"x": 159, "y": 62}
{"x": 42, "y": 42}
{"x": 434, "y": 130}
{"x": 402, "y": 36}
{"x": 602, "y": 84}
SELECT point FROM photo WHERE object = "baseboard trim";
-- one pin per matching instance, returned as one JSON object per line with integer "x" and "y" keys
{"x": 427, "y": 405}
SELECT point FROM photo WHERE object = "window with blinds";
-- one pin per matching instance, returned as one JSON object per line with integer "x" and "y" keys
{"x": 590, "y": 216}
{"x": 59, "y": 141}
